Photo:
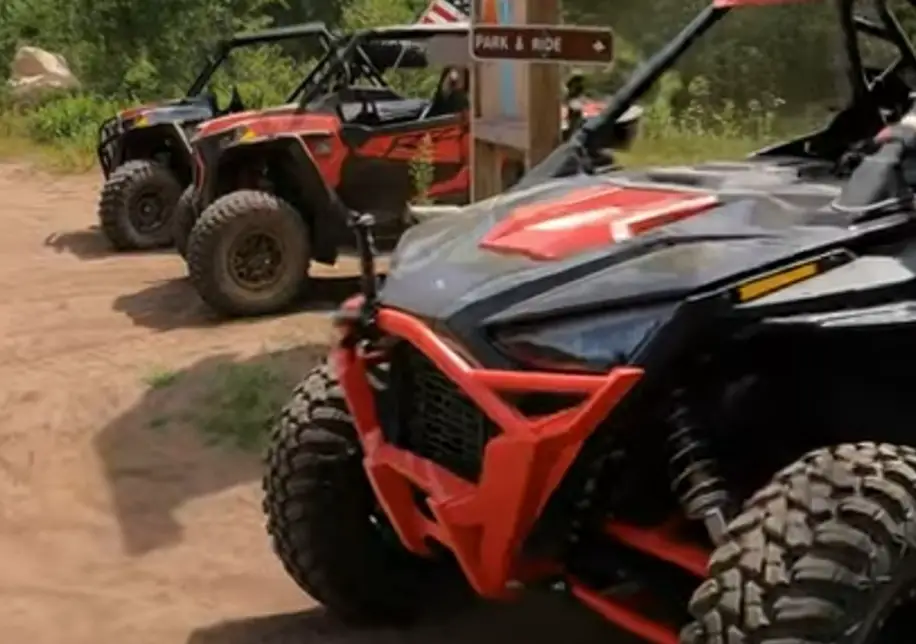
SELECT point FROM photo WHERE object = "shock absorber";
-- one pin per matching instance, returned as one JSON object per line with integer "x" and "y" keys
{"x": 695, "y": 477}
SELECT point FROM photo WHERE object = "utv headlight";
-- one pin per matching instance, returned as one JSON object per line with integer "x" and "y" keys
{"x": 594, "y": 343}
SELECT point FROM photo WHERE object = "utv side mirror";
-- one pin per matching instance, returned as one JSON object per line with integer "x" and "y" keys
{"x": 626, "y": 129}
{"x": 235, "y": 101}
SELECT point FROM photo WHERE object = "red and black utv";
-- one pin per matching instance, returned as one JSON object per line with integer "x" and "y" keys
{"x": 145, "y": 154}
{"x": 681, "y": 395}
{"x": 273, "y": 189}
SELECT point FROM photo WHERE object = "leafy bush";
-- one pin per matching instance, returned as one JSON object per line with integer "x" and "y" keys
{"x": 72, "y": 118}
{"x": 730, "y": 89}
{"x": 422, "y": 171}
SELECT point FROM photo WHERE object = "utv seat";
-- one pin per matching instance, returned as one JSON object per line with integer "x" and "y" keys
{"x": 406, "y": 109}
{"x": 443, "y": 104}
{"x": 397, "y": 111}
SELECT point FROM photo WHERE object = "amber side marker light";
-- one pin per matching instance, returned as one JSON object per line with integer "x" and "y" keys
{"x": 246, "y": 134}
{"x": 760, "y": 286}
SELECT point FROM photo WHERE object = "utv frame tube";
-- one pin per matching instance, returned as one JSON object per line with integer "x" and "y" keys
{"x": 266, "y": 36}
{"x": 591, "y": 136}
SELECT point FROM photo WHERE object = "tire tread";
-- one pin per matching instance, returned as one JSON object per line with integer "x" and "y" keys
{"x": 317, "y": 500}
{"x": 113, "y": 203}
{"x": 797, "y": 560}
{"x": 203, "y": 242}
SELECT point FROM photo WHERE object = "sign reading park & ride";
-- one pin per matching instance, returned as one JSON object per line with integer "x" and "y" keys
{"x": 543, "y": 43}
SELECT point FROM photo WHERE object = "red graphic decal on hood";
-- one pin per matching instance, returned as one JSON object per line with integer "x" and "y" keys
{"x": 265, "y": 123}
{"x": 134, "y": 112}
{"x": 222, "y": 123}
{"x": 295, "y": 123}
{"x": 590, "y": 218}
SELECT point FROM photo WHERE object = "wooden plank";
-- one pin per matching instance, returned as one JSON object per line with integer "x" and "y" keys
{"x": 545, "y": 93}
{"x": 486, "y": 176}
{"x": 508, "y": 140}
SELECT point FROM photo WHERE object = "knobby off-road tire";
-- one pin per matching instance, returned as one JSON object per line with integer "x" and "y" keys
{"x": 232, "y": 221}
{"x": 183, "y": 220}
{"x": 324, "y": 522}
{"x": 131, "y": 188}
{"x": 823, "y": 554}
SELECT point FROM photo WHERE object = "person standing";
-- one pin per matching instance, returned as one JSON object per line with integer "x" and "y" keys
{"x": 574, "y": 102}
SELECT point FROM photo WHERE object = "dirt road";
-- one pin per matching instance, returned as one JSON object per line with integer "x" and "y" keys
{"x": 112, "y": 531}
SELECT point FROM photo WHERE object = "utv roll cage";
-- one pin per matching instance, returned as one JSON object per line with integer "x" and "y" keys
{"x": 319, "y": 80}
{"x": 571, "y": 157}
{"x": 379, "y": 49}
{"x": 111, "y": 130}
{"x": 264, "y": 37}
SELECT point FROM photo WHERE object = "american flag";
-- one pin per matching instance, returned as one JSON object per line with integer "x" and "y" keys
{"x": 446, "y": 11}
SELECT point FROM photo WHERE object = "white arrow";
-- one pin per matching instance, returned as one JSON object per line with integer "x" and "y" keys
{"x": 598, "y": 46}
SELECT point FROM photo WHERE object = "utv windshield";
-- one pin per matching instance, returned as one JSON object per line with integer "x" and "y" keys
{"x": 761, "y": 74}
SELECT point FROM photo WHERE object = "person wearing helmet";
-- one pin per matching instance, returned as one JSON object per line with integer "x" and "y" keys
{"x": 574, "y": 103}
{"x": 453, "y": 93}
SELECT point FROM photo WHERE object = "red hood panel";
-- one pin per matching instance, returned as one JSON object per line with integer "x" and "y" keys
{"x": 222, "y": 123}
{"x": 264, "y": 123}
{"x": 133, "y": 112}
{"x": 292, "y": 123}
{"x": 591, "y": 218}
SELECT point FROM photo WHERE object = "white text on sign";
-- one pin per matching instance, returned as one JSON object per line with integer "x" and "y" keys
{"x": 491, "y": 43}
{"x": 547, "y": 45}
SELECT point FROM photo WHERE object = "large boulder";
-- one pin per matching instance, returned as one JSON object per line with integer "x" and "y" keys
{"x": 36, "y": 72}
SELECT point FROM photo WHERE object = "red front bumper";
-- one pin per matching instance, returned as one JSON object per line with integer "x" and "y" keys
{"x": 483, "y": 524}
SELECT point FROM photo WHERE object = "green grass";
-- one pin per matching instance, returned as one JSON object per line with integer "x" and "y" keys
{"x": 687, "y": 149}
{"x": 159, "y": 423}
{"x": 75, "y": 156}
{"x": 234, "y": 404}
{"x": 241, "y": 404}
{"x": 61, "y": 135}
{"x": 63, "y": 157}
{"x": 161, "y": 378}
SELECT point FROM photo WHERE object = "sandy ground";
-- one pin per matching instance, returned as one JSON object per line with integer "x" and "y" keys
{"x": 110, "y": 531}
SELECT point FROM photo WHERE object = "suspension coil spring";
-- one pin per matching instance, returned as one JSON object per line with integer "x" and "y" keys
{"x": 695, "y": 477}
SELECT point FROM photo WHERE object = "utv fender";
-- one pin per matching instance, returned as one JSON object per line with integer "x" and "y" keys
{"x": 164, "y": 142}
{"x": 295, "y": 178}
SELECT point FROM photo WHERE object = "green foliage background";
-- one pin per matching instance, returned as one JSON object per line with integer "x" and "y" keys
{"x": 762, "y": 72}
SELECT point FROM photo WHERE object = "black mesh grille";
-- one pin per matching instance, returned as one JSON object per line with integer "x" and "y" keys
{"x": 433, "y": 418}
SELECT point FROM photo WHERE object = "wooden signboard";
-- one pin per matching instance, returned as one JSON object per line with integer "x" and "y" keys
{"x": 518, "y": 96}
{"x": 505, "y": 92}
{"x": 543, "y": 43}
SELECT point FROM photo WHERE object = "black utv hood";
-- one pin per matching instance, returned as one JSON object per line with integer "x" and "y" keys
{"x": 765, "y": 212}
{"x": 184, "y": 110}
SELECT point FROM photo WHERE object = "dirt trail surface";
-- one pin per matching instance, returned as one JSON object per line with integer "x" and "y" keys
{"x": 112, "y": 531}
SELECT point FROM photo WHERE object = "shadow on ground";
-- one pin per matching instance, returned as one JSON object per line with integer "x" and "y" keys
{"x": 538, "y": 619}
{"x": 174, "y": 304}
{"x": 89, "y": 243}
{"x": 155, "y": 457}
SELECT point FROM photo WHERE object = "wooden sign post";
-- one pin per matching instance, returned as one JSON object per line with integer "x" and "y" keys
{"x": 518, "y": 46}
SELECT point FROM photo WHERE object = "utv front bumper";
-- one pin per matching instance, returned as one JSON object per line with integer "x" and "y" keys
{"x": 452, "y": 460}
{"x": 107, "y": 150}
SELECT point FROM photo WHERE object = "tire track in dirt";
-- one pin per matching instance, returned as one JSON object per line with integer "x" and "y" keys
{"x": 110, "y": 531}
